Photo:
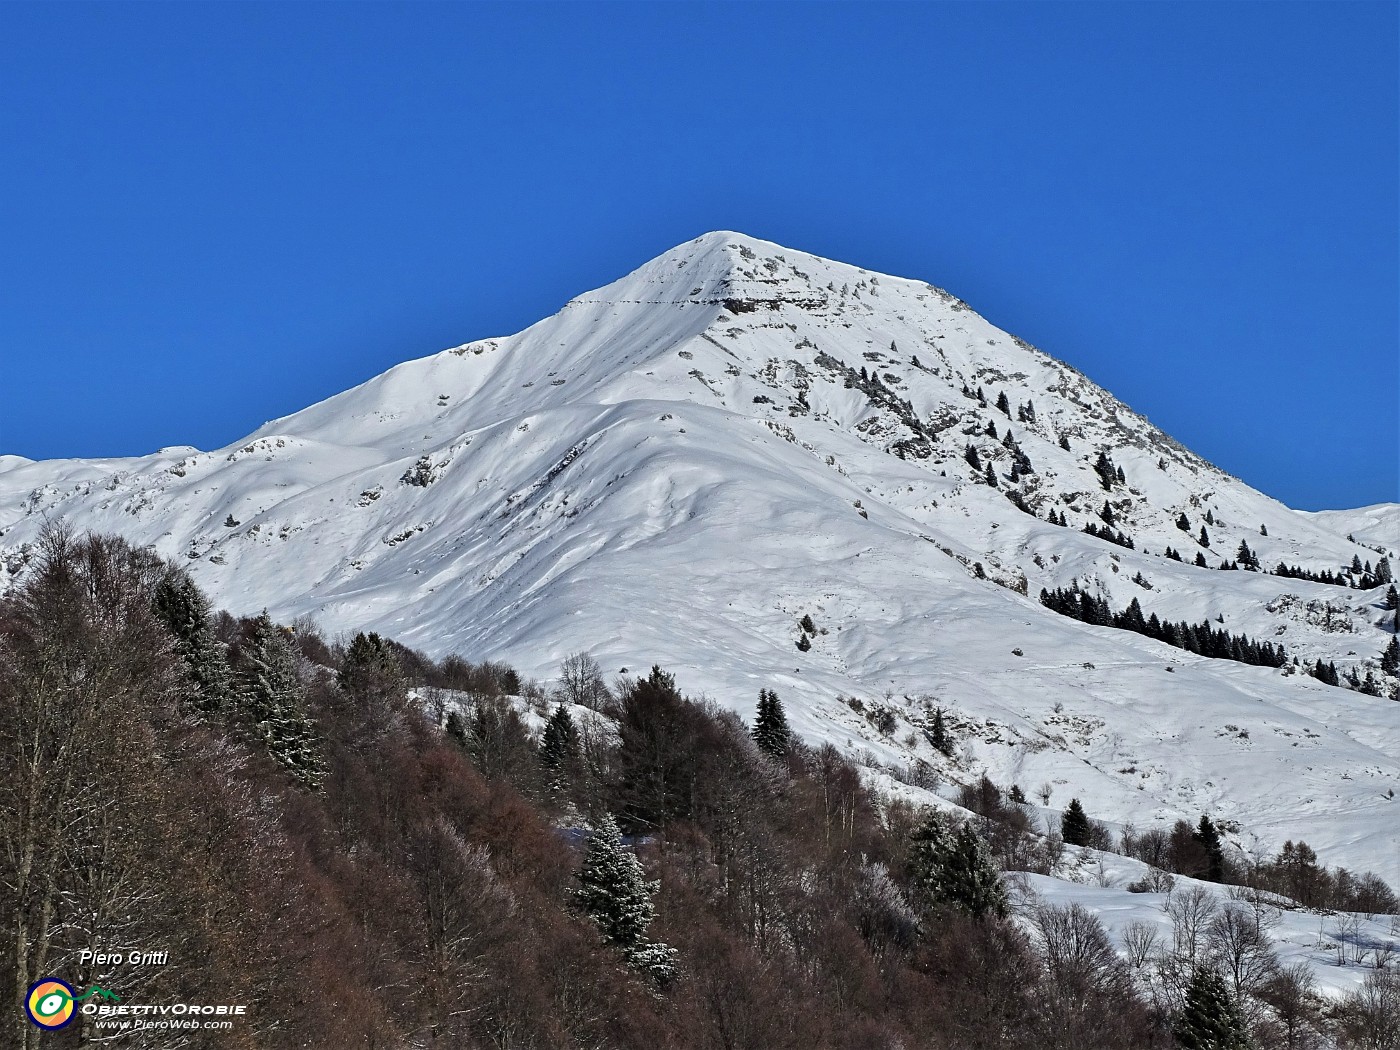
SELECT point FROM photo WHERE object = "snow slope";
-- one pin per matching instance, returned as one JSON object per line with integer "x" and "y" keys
{"x": 1338, "y": 948}
{"x": 676, "y": 467}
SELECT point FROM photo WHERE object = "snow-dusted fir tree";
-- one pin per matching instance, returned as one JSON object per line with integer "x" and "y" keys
{"x": 274, "y": 703}
{"x": 954, "y": 868}
{"x": 185, "y": 611}
{"x": 558, "y": 746}
{"x": 770, "y": 730}
{"x": 1390, "y": 659}
{"x": 614, "y": 892}
{"x": 1211, "y": 1019}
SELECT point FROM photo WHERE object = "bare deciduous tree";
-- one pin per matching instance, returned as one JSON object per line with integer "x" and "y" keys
{"x": 1140, "y": 943}
{"x": 1191, "y": 912}
{"x": 581, "y": 682}
{"x": 1242, "y": 952}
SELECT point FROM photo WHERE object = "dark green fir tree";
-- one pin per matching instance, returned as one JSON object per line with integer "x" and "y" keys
{"x": 938, "y": 735}
{"x": 1210, "y": 1019}
{"x": 370, "y": 663}
{"x": 1074, "y": 825}
{"x": 770, "y": 729}
{"x": 1390, "y": 659}
{"x": 274, "y": 702}
{"x": 953, "y": 868}
{"x": 185, "y": 611}
{"x": 558, "y": 745}
{"x": 1208, "y": 837}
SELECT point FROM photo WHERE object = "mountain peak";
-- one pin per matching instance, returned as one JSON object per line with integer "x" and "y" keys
{"x": 726, "y": 267}
{"x": 680, "y": 466}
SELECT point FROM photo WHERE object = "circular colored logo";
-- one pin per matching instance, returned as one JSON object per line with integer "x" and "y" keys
{"x": 49, "y": 1003}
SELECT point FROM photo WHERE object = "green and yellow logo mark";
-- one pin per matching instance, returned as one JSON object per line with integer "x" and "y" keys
{"x": 50, "y": 1002}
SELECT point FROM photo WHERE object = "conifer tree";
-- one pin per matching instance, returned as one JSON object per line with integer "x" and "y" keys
{"x": 953, "y": 868}
{"x": 938, "y": 736}
{"x": 807, "y": 624}
{"x": 185, "y": 611}
{"x": 456, "y": 728}
{"x": 804, "y": 643}
{"x": 1390, "y": 659}
{"x": 558, "y": 743}
{"x": 1103, "y": 467}
{"x": 1392, "y": 598}
{"x": 369, "y": 662}
{"x": 1204, "y": 539}
{"x": 990, "y": 477}
{"x": 1201, "y": 560}
{"x": 1183, "y": 522}
{"x": 1326, "y": 673}
{"x": 1209, "y": 840}
{"x": 613, "y": 891}
{"x": 1210, "y": 1019}
{"x": 770, "y": 730}
{"x": 973, "y": 459}
{"x": 1064, "y": 442}
{"x": 273, "y": 702}
{"x": 1074, "y": 825}
{"x": 1003, "y": 404}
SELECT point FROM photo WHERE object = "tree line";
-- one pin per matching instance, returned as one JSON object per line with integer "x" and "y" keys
{"x": 1200, "y": 638}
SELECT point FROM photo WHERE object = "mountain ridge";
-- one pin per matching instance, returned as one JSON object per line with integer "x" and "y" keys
{"x": 677, "y": 466}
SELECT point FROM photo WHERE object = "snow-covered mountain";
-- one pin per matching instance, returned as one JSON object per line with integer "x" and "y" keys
{"x": 677, "y": 467}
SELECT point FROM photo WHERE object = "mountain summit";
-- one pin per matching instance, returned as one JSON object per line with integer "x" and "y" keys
{"x": 678, "y": 467}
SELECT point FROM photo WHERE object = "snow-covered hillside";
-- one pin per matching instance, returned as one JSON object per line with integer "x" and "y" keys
{"x": 677, "y": 467}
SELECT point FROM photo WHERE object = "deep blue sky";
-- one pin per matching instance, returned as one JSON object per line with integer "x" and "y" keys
{"x": 212, "y": 215}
